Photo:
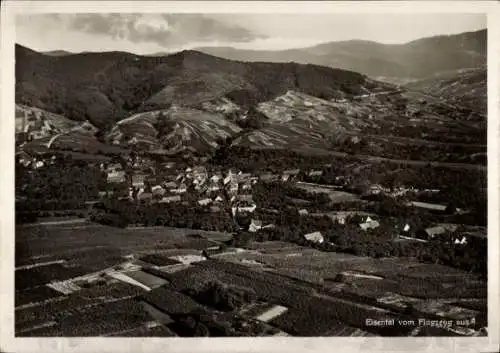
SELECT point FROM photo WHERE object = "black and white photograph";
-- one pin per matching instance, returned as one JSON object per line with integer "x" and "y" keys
{"x": 182, "y": 175}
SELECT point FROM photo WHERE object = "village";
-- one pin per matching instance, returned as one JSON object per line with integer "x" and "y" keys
{"x": 142, "y": 181}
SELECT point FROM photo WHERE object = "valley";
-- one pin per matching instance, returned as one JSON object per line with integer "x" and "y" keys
{"x": 220, "y": 193}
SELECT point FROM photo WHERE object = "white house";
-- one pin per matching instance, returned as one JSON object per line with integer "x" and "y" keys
{"x": 170, "y": 185}
{"x": 369, "y": 224}
{"x": 138, "y": 180}
{"x": 303, "y": 212}
{"x": 316, "y": 173}
{"x": 180, "y": 190}
{"x": 204, "y": 202}
{"x": 169, "y": 199}
{"x": 255, "y": 226}
{"x": 316, "y": 237}
{"x": 248, "y": 209}
{"x": 213, "y": 187}
{"x": 215, "y": 178}
{"x": 461, "y": 241}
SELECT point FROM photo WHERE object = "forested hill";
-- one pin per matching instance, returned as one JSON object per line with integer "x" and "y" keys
{"x": 106, "y": 87}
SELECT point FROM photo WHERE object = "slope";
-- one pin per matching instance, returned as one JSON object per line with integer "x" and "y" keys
{"x": 416, "y": 59}
{"x": 466, "y": 88}
{"x": 106, "y": 87}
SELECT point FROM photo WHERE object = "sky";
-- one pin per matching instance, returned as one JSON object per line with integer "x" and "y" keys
{"x": 153, "y": 33}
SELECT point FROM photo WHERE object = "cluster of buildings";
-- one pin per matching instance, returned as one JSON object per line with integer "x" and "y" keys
{"x": 196, "y": 183}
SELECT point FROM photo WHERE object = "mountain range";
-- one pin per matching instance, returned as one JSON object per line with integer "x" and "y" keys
{"x": 193, "y": 101}
{"x": 417, "y": 59}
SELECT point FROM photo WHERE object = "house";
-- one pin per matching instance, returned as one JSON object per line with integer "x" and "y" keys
{"x": 158, "y": 191}
{"x": 215, "y": 178}
{"x": 200, "y": 173}
{"x": 268, "y": 177}
{"x": 432, "y": 232}
{"x": 156, "y": 187}
{"x": 292, "y": 172}
{"x": 145, "y": 196}
{"x": 315, "y": 237}
{"x": 244, "y": 208}
{"x": 255, "y": 226}
{"x": 116, "y": 176}
{"x": 24, "y": 158}
{"x": 138, "y": 180}
{"x": 369, "y": 224}
{"x": 246, "y": 185}
{"x": 245, "y": 198}
{"x": 180, "y": 190}
{"x": 233, "y": 188}
{"x": 114, "y": 167}
{"x": 169, "y": 199}
{"x": 212, "y": 187}
{"x": 303, "y": 212}
{"x": 315, "y": 173}
{"x": 230, "y": 178}
{"x": 460, "y": 241}
{"x": 219, "y": 199}
{"x": 243, "y": 177}
{"x": 204, "y": 202}
{"x": 170, "y": 185}
{"x": 377, "y": 189}
{"x": 406, "y": 228}
{"x": 39, "y": 164}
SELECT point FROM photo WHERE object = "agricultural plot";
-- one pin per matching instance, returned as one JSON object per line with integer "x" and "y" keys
{"x": 158, "y": 260}
{"x": 42, "y": 331}
{"x": 157, "y": 314}
{"x": 85, "y": 298}
{"x": 43, "y": 240}
{"x": 336, "y": 196}
{"x": 35, "y": 295}
{"x": 171, "y": 302}
{"x": 34, "y": 277}
{"x": 147, "y": 279}
{"x": 104, "y": 319}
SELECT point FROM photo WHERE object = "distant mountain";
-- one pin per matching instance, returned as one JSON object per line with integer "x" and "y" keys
{"x": 57, "y": 53}
{"x": 106, "y": 87}
{"x": 417, "y": 59}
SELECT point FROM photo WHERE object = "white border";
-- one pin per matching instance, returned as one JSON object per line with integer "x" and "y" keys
{"x": 10, "y": 344}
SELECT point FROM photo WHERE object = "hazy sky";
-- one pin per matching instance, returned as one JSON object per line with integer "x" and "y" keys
{"x": 150, "y": 33}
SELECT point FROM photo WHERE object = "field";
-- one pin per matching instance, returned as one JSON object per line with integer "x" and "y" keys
{"x": 99, "y": 246}
{"x": 326, "y": 293}
{"x": 335, "y": 195}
